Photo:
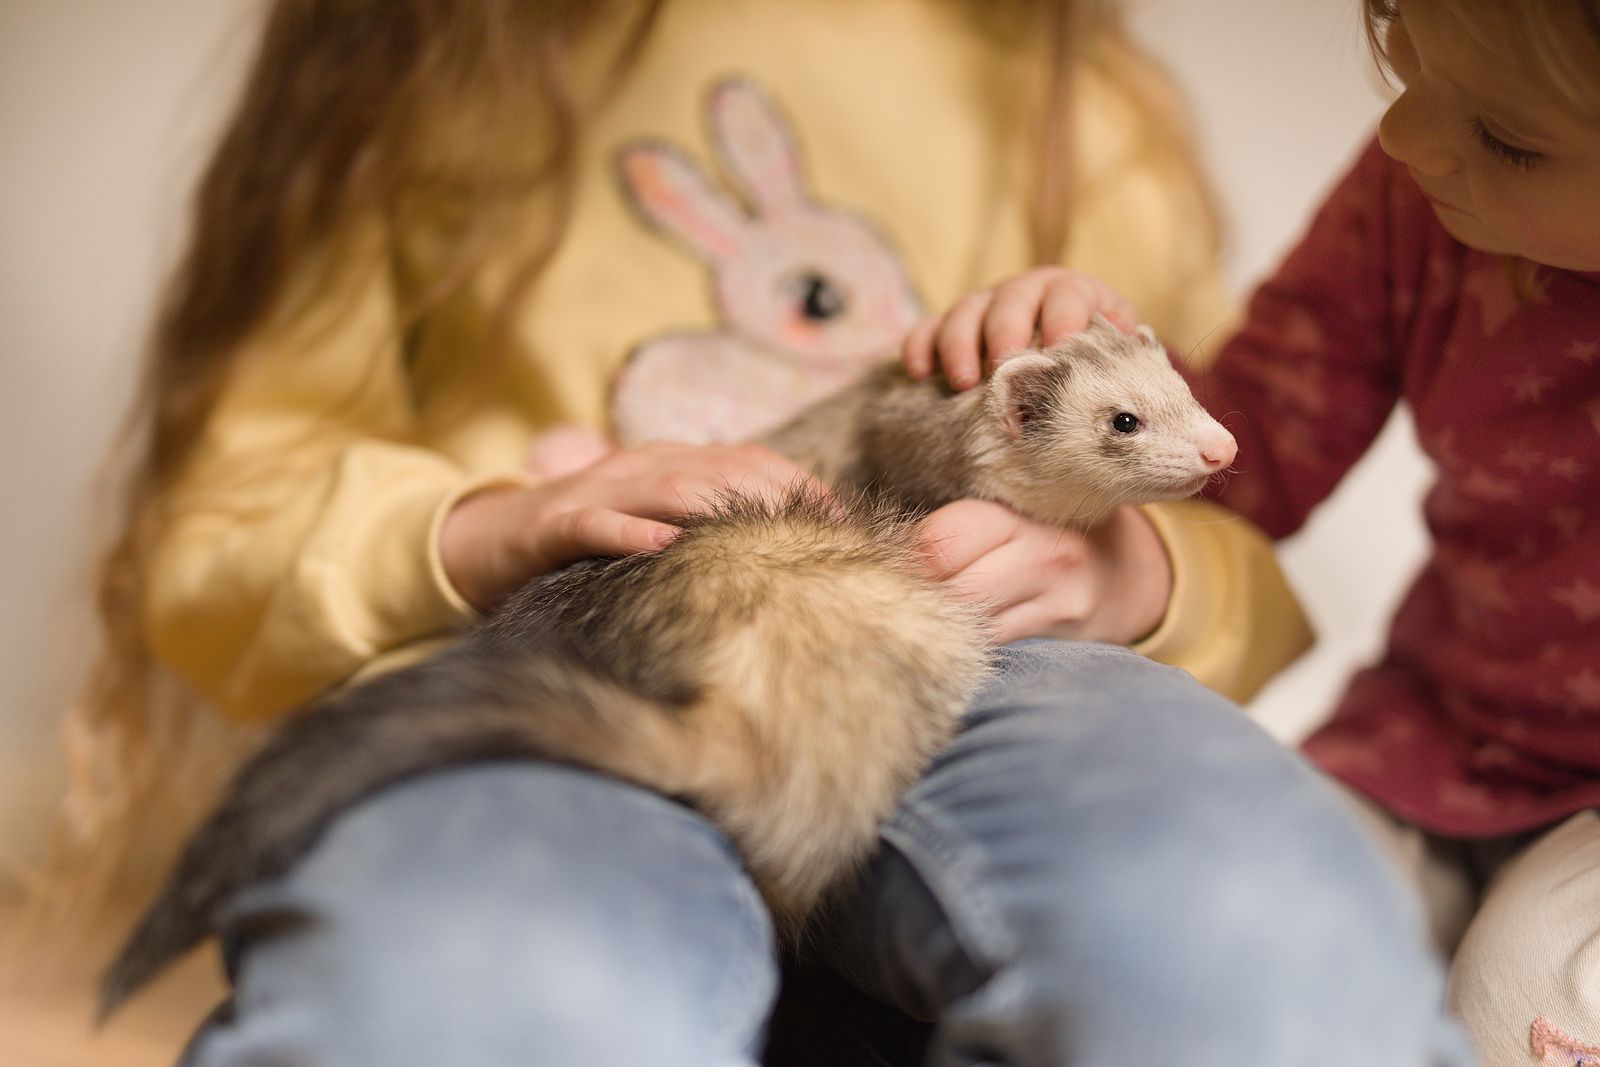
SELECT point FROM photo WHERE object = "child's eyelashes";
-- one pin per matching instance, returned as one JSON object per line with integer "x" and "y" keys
{"x": 1522, "y": 158}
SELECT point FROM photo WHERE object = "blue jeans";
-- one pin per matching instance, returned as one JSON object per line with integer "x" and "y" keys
{"x": 1110, "y": 866}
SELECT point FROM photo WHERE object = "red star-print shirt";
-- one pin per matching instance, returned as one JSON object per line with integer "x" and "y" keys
{"x": 1483, "y": 715}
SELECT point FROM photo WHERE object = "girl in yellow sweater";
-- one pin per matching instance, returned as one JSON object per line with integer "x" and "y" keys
{"x": 458, "y": 269}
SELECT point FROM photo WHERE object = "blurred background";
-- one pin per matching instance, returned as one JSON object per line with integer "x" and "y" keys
{"x": 106, "y": 110}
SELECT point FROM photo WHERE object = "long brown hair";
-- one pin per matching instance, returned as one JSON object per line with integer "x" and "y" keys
{"x": 363, "y": 109}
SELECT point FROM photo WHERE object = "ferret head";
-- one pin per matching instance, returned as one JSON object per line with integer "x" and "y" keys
{"x": 1098, "y": 420}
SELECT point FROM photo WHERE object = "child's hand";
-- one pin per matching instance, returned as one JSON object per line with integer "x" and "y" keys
{"x": 984, "y": 327}
{"x": 563, "y": 449}
{"x": 1111, "y": 584}
{"x": 621, "y": 502}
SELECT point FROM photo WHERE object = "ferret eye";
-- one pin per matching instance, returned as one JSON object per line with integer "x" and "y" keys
{"x": 1123, "y": 422}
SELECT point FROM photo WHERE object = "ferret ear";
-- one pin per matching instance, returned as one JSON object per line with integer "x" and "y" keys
{"x": 1148, "y": 334}
{"x": 1023, "y": 389}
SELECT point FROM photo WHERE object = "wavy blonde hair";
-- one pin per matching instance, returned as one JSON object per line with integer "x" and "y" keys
{"x": 1558, "y": 40}
{"x": 342, "y": 118}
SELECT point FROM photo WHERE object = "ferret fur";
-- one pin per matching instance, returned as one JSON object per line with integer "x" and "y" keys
{"x": 788, "y": 670}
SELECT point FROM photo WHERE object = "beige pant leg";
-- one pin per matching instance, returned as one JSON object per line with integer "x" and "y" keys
{"x": 1446, "y": 889}
{"x": 1526, "y": 977}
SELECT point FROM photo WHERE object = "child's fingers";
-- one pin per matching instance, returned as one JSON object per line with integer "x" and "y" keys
{"x": 1071, "y": 300}
{"x": 673, "y": 481}
{"x": 959, "y": 338}
{"x": 1036, "y": 583}
{"x": 758, "y": 470}
{"x": 773, "y": 486}
{"x": 955, "y": 536}
{"x": 582, "y": 532}
{"x": 1064, "y": 309}
{"x": 1013, "y": 315}
{"x": 1115, "y": 307}
{"x": 564, "y": 449}
{"x": 677, "y": 495}
{"x": 1006, "y": 574}
{"x": 1028, "y": 619}
{"x": 916, "y": 355}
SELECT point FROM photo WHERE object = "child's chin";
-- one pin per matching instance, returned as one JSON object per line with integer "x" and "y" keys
{"x": 1469, "y": 231}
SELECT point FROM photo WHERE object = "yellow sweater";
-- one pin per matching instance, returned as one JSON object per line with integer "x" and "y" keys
{"x": 776, "y": 192}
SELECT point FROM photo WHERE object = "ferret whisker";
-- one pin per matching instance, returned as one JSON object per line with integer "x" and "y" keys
{"x": 1200, "y": 367}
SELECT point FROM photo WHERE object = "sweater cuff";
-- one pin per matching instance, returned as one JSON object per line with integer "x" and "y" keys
{"x": 1232, "y": 620}
{"x": 411, "y": 597}
{"x": 1182, "y": 626}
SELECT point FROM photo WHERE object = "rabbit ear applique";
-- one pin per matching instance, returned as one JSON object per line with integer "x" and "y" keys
{"x": 675, "y": 196}
{"x": 755, "y": 144}
{"x": 805, "y": 294}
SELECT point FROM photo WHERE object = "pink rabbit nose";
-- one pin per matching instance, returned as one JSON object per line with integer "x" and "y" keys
{"x": 1218, "y": 450}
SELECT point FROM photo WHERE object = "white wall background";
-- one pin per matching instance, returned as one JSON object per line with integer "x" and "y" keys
{"x": 105, "y": 111}
{"x": 106, "y": 108}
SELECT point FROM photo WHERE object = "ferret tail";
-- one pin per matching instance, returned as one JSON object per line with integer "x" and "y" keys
{"x": 459, "y": 709}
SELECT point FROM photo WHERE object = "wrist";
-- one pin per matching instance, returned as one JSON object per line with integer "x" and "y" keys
{"x": 473, "y": 544}
{"x": 1137, "y": 583}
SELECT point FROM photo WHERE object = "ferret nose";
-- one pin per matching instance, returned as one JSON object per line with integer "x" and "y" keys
{"x": 1218, "y": 450}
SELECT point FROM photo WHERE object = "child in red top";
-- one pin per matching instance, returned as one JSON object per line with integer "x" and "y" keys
{"x": 1456, "y": 267}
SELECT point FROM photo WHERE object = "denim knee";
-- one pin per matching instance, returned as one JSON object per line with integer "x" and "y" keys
{"x": 1133, "y": 869}
{"x": 502, "y": 914}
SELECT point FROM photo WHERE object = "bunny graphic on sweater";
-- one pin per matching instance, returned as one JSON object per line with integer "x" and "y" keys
{"x": 808, "y": 295}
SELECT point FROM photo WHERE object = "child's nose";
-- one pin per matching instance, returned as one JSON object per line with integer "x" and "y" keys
{"x": 1412, "y": 134}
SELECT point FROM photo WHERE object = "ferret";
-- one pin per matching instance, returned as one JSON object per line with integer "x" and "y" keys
{"x": 786, "y": 669}
{"x": 1061, "y": 435}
